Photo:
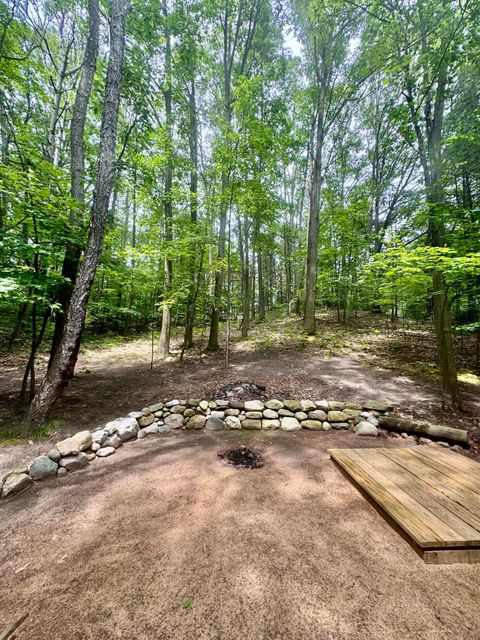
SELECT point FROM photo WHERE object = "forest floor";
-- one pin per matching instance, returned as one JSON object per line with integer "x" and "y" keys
{"x": 366, "y": 359}
{"x": 164, "y": 541}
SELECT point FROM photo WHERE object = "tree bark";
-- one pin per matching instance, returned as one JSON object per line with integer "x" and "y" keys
{"x": 77, "y": 169}
{"x": 65, "y": 358}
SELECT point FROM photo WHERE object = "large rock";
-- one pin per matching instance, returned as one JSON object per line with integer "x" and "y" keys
{"x": 323, "y": 405}
{"x": 318, "y": 414}
{"x": 99, "y": 436}
{"x": 286, "y": 413}
{"x": 336, "y": 416}
{"x": 214, "y": 424}
{"x": 290, "y": 424}
{"x": 232, "y": 422}
{"x": 270, "y": 414}
{"x": 254, "y": 415}
{"x": 127, "y": 428}
{"x": 179, "y": 408}
{"x": 104, "y": 452}
{"x": 174, "y": 421}
{"x": 196, "y": 422}
{"x": 68, "y": 447}
{"x": 274, "y": 404}
{"x": 268, "y": 424}
{"x": 43, "y": 467}
{"x": 307, "y": 405}
{"x": 113, "y": 441}
{"x": 248, "y": 423}
{"x": 336, "y": 406}
{"x": 312, "y": 425}
{"x": 366, "y": 429}
{"x": 72, "y": 463}
{"x": 232, "y": 412}
{"x": 14, "y": 483}
{"x": 292, "y": 405}
{"x": 218, "y": 414}
{"x": 172, "y": 403}
{"x": 83, "y": 439}
{"x": 340, "y": 425}
{"x": 145, "y": 421}
{"x": 254, "y": 405}
{"x": 301, "y": 415}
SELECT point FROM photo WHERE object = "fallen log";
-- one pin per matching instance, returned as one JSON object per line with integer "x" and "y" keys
{"x": 397, "y": 423}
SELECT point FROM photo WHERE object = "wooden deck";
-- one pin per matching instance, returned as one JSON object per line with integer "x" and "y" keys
{"x": 432, "y": 494}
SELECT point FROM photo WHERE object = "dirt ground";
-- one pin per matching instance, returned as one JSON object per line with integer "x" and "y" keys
{"x": 291, "y": 551}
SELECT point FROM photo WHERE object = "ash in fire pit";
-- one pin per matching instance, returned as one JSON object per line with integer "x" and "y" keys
{"x": 241, "y": 391}
{"x": 242, "y": 457}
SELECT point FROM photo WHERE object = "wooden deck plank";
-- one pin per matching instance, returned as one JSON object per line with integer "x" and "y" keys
{"x": 432, "y": 497}
{"x": 446, "y": 534}
{"x": 427, "y": 496}
{"x": 403, "y": 516}
{"x": 453, "y": 491}
{"x": 449, "y": 464}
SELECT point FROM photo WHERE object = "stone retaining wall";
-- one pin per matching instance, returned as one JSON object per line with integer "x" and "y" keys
{"x": 84, "y": 447}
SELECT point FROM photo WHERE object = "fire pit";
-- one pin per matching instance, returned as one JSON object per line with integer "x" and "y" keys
{"x": 242, "y": 457}
{"x": 241, "y": 391}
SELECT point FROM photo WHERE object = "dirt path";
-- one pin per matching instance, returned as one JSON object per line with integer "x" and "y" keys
{"x": 288, "y": 552}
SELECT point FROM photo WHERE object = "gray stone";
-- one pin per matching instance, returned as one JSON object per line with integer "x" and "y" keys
{"x": 61, "y": 471}
{"x": 104, "y": 452}
{"x": 72, "y": 463}
{"x": 96, "y": 446}
{"x": 113, "y": 441}
{"x": 203, "y": 405}
{"x": 146, "y": 411}
{"x": 156, "y": 407}
{"x": 339, "y": 425}
{"x": 237, "y": 404}
{"x": 292, "y": 405}
{"x": 312, "y": 425}
{"x": 333, "y": 405}
{"x": 188, "y": 413}
{"x": 175, "y": 421}
{"x": 372, "y": 420}
{"x": 249, "y": 423}
{"x": 323, "y": 405}
{"x": 457, "y": 448}
{"x": 336, "y": 416}
{"x": 232, "y": 422}
{"x": 214, "y": 424}
{"x": 318, "y": 414}
{"x": 366, "y": 429}
{"x": 286, "y": 413}
{"x": 146, "y": 420}
{"x": 99, "y": 436}
{"x": 290, "y": 424}
{"x": 68, "y": 447}
{"x": 326, "y": 426}
{"x": 142, "y": 433}
{"x": 254, "y": 415}
{"x": 126, "y": 429}
{"x": 274, "y": 404}
{"x": 307, "y": 405}
{"x": 163, "y": 428}
{"x": 351, "y": 413}
{"x": 222, "y": 403}
{"x": 54, "y": 454}
{"x": 445, "y": 445}
{"x": 135, "y": 414}
{"x": 270, "y": 414}
{"x": 193, "y": 402}
{"x": 212, "y": 404}
{"x": 270, "y": 423}
{"x": 196, "y": 422}
{"x": 404, "y": 434}
{"x": 232, "y": 412}
{"x": 14, "y": 483}
{"x": 42, "y": 467}
{"x": 424, "y": 441}
{"x": 301, "y": 415}
{"x": 153, "y": 428}
{"x": 218, "y": 414}
{"x": 353, "y": 405}
{"x": 179, "y": 408}
{"x": 172, "y": 403}
{"x": 254, "y": 405}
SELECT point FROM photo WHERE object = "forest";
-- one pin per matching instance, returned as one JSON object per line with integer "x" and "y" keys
{"x": 188, "y": 168}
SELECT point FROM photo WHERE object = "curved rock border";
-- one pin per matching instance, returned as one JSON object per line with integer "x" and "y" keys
{"x": 78, "y": 451}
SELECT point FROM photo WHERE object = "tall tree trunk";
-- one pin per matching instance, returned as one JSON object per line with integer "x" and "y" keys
{"x": 65, "y": 358}
{"x": 261, "y": 287}
{"x": 77, "y": 169}
{"x": 164, "y": 341}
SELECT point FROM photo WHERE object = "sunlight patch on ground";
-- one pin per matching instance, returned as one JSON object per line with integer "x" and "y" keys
{"x": 471, "y": 378}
